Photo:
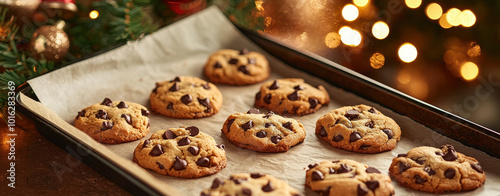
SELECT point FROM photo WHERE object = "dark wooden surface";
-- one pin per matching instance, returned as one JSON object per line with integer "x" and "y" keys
{"x": 42, "y": 168}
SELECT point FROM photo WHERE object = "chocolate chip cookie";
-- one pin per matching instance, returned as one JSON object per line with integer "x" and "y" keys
{"x": 291, "y": 96}
{"x": 186, "y": 97}
{"x": 237, "y": 67}
{"x": 358, "y": 128}
{"x": 347, "y": 177}
{"x": 181, "y": 152}
{"x": 114, "y": 122}
{"x": 437, "y": 170}
{"x": 250, "y": 184}
{"x": 263, "y": 132}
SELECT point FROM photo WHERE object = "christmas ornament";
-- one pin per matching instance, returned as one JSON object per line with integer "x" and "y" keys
{"x": 22, "y": 9}
{"x": 186, "y": 6}
{"x": 51, "y": 42}
{"x": 65, "y": 9}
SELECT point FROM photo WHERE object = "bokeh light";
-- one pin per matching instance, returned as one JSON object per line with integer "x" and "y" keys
{"x": 94, "y": 14}
{"x": 413, "y": 3}
{"x": 443, "y": 22}
{"x": 453, "y": 16}
{"x": 407, "y": 52}
{"x": 361, "y": 3}
{"x": 332, "y": 40}
{"x": 350, "y": 36}
{"x": 377, "y": 60}
{"x": 474, "y": 50}
{"x": 469, "y": 70}
{"x": 404, "y": 77}
{"x": 434, "y": 11}
{"x": 467, "y": 18}
{"x": 380, "y": 30}
{"x": 350, "y": 12}
{"x": 258, "y": 5}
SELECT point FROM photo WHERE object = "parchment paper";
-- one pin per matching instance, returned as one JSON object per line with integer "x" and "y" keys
{"x": 130, "y": 72}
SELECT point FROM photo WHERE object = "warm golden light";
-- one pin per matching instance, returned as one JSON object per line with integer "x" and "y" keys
{"x": 413, "y": 3}
{"x": 380, "y": 30}
{"x": 349, "y": 36}
{"x": 407, "y": 53}
{"x": 467, "y": 18}
{"x": 453, "y": 16}
{"x": 443, "y": 22}
{"x": 404, "y": 77}
{"x": 434, "y": 11}
{"x": 94, "y": 14}
{"x": 474, "y": 50}
{"x": 332, "y": 40}
{"x": 258, "y": 5}
{"x": 377, "y": 60}
{"x": 361, "y": 3}
{"x": 350, "y": 12}
{"x": 469, "y": 70}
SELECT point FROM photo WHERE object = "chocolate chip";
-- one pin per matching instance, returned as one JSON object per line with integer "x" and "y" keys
{"x": 102, "y": 114}
{"x": 419, "y": 180}
{"x": 146, "y": 143}
{"x": 372, "y": 184}
{"x": 268, "y": 114}
{"x": 194, "y": 150}
{"x": 450, "y": 155}
{"x": 233, "y": 61}
{"x": 193, "y": 131}
{"x": 293, "y": 96}
{"x": 362, "y": 190}
{"x": 317, "y": 175}
{"x": 313, "y": 102}
{"x": 372, "y": 170}
{"x": 261, "y": 134}
{"x": 205, "y": 194}
{"x": 335, "y": 161}
{"x": 160, "y": 165}
{"x": 402, "y": 155}
{"x": 186, "y": 99}
{"x": 354, "y": 137}
{"x": 310, "y": 166}
{"x": 267, "y": 99}
{"x": 449, "y": 173}
{"x": 252, "y": 61}
{"x": 221, "y": 146}
{"x": 145, "y": 112}
{"x": 256, "y": 175}
{"x": 419, "y": 160}
{"x": 179, "y": 164}
{"x": 322, "y": 132}
{"x": 372, "y": 110}
{"x": 176, "y": 79}
{"x": 156, "y": 87}
{"x": 174, "y": 87}
{"x": 229, "y": 123}
{"x": 268, "y": 187}
{"x": 81, "y": 113}
{"x": 107, "y": 102}
{"x": 439, "y": 153}
{"x": 184, "y": 141}
{"x": 477, "y": 167}
{"x": 274, "y": 86}
{"x": 338, "y": 138}
{"x": 343, "y": 169}
{"x": 403, "y": 167}
{"x": 206, "y": 86}
{"x": 275, "y": 139}
{"x": 106, "y": 125}
{"x": 170, "y": 106}
{"x": 244, "y": 69}
{"x": 352, "y": 114}
{"x": 243, "y": 51}
{"x": 168, "y": 134}
{"x": 388, "y": 132}
{"x": 298, "y": 87}
{"x": 258, "y": 95}
{"x": 429, "y": 171}
{"x": 127, "y": 118}
{"x": 203, "y": 162}
{"x": 205, "y": 102}
{"x": 246, "y": 191}
{"x": 253, "y": 111}
{"x": 216, "y": 183}
{"x": 331, "y": 170}
{"x": 326, "y": 192}
{"x": 288, "y": 125}
{"x": 239, "y": 180}
{"x": 248, "y": 125}
{"x": 370, "y": 124}
{"x": 217, "y": 65}
{"x": 156, "y": 151}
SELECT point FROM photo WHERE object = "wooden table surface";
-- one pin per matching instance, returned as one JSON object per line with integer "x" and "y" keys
{"x": 42, "y": 168}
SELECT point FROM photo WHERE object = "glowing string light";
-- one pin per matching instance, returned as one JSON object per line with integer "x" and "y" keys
{"x": 380, "y": 30}
{"x": 94, "y": 14}
{"x": 434, "y": 11}
{"x": 361, "y": 3}
{"x": 453, "y": 16}
{"x": 469, "y": 70}
{"x": 467, "y": 18}
{"x": 350, "y": 12}
{"x": 407, "y": 52}
{"x": 413, "y": 3}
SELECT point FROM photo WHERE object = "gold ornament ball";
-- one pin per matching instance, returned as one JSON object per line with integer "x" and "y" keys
{"x": 50, "y": 42}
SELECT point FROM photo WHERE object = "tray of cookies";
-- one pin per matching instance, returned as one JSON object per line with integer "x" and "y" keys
{"x": 198, "y": 110}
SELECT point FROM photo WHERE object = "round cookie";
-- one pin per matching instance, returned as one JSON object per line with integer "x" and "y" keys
{"x": 347, "y": 177}
{"x": 358, "y": 128}
{"x": 237, "y": 67}
{"x": 186, "y": 97}
{"x": 291, "y": 96}
{"x": 263, "y": 132}
{"x": 250, "y": 184}
{"x": 114, "y": 122}
{"x": 181, "y": 152}
{"x": 437, "y": 170}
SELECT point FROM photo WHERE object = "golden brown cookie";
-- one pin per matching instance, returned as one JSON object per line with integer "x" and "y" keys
{"x": 291, "y": 96}
{"x": 114, "y": 122}
{"x": 181, "y": 152}
{"x": 358, "y": 128}
{"x": 437, "y": 170}
{"x": 186, "y": 97}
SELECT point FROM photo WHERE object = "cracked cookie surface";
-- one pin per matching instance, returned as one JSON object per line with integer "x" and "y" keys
{"x": 114, "y": 122}
{"x": 186, "y": 97}
{"x": 437, "y": 170}
{"x": 358, "y": 128}
{"x": 181, "y": 152}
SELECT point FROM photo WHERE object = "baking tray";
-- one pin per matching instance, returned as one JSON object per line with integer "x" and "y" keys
{"x": 445, "y": 123}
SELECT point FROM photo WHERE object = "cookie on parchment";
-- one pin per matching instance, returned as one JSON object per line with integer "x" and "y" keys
{"x": 291, "y": 96}
{"x": 181, "y": 152}
{"x": 237, "y": 67}
{"x": 347, "y": 177}
{"x": 186, "y": 97}
{"x": 114, "y": 122}
{"x": 358, "y": 128}
{"x": 250, "y": 184}
{"x": 437, "y": 170}
{"x": 263, "y": 132}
